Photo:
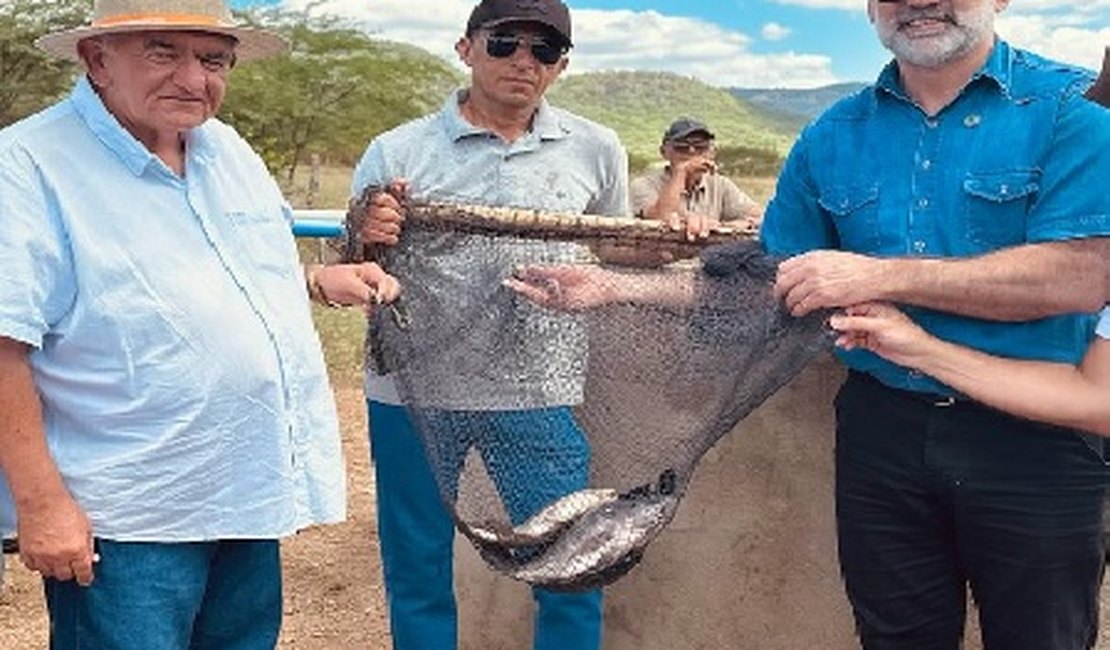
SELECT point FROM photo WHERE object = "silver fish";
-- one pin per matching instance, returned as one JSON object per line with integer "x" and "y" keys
{"x": 547, "y": 523}
{"x": 605, "y": 538}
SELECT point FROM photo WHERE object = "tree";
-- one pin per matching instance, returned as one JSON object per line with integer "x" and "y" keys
{"x": 335, "y": 90}
{"x": 29, "y": 78}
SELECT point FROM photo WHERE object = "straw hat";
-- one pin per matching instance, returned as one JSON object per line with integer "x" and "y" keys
{"x": 119, "y": 16}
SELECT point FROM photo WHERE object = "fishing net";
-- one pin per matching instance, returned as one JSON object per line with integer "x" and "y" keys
{"x": 563, "y": 433}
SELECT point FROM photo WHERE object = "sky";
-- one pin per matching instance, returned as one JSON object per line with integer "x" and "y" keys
{"x": 748, "y": 43}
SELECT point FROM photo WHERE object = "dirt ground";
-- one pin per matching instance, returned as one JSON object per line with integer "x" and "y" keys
{"x": 333, "y": 587}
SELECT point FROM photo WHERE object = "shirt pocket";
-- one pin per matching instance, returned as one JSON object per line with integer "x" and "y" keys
{"x": 997, "y": 204}
{"x": 855, "y": 213}
{"x": 266, "y": 241}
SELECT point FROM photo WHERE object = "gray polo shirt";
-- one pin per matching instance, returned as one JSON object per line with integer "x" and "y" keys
{"x": 715, "y": 196}
{"x": 508, "y": 353}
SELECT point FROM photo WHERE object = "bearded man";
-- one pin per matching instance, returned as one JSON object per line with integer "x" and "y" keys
{"x": 968, "y": 185}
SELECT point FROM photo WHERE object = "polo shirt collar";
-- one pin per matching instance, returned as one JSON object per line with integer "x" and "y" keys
{"x": 546, "y": 123}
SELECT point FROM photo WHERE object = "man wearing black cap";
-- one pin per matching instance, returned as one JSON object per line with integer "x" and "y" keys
{"x": 688, "y": 189}
{"x": 497, "y": 142}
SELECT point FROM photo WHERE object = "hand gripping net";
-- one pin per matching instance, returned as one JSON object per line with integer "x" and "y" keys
{"x": 562, "y": 441}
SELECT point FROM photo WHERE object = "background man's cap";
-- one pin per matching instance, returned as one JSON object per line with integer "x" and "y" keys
{"x": 550, "y": 13}
{"x": 684, "y": 127}
{"x": 121, "y": 16}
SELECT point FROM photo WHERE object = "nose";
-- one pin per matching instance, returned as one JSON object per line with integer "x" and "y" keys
{"x": 190, "y": 74}
{"x": 523, "y": 55}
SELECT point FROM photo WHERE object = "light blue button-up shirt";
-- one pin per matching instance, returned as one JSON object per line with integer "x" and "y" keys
{"x": 183, "y": 387}
{"x": 1018, "y": 157}
{"x": 564, "y": 163}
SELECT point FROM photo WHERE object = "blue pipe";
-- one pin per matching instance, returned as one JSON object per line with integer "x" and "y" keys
{"x": 317, "y": 228}
{"x": 318, "y": 223}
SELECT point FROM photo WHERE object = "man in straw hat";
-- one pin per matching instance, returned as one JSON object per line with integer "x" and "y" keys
{"x": 165, "y": 413}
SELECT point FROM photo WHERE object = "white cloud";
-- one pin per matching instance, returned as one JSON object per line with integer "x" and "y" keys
{"x": 851, "y": 5}
{"x": 1056, "y": 37}
{"x": 1075, "y": 31}
{"x": 604, "y": 40}
{"x": 774, "y": 32}
{"x": 1070, "y": 30}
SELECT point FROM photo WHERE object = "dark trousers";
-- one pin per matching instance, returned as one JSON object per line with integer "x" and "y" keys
{"x": 934, "y": 497}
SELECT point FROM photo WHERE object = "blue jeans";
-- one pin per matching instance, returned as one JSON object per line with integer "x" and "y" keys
{"x": 932, "y": 499}
{"x": 417, "y": 532}
{"x": 222, "y": 595}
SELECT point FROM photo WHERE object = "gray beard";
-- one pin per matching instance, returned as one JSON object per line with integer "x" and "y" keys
{"x": 970, "y": 29}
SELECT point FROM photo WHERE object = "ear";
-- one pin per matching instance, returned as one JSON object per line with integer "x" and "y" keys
{"x": 562, "y": 65}
{"x": 463, "y": 48}
{"x": 92, "y": 51}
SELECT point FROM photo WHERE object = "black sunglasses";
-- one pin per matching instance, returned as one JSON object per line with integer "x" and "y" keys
{"x": 501, "y": 46}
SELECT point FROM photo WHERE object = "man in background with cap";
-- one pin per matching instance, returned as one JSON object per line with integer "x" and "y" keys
{"x": 497, "y": 142}
{"x": 968, "y": 185}
{"x": 688, "y": 190}
{"x": 165, "y": 414}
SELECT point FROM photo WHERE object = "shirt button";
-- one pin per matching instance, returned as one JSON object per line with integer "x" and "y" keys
{"x": 919, "y": 246}
{"x": 972, "y": 121}
{"x": 931, "y": 122}
{"x": 926, "y": 164}
{"x": 923, "y": 203}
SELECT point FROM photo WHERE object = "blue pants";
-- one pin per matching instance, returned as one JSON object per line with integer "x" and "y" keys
{"x": 932, "y": 499}
{"x": 223, "y": 595}
{"x": 417, "y": 532}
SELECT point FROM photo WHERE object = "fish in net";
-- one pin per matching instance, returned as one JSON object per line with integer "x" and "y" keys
{"x": 563, "y": 424}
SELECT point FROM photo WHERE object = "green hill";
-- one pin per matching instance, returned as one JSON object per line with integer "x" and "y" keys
{"x": 640, "y": 105}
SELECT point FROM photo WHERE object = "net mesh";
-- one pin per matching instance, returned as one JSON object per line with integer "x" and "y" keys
{"x": 563, "y": 427}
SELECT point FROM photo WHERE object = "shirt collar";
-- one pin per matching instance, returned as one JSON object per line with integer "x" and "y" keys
{"x": 132, "y": 153}
{"x": 546, "y": 123}
{"x": 998, "y": 68}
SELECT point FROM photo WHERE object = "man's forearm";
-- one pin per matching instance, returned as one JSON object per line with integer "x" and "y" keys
{"x": 24, "y": 457}
{"x": 1017, "y": 284}
{"x": 669, "y": 200}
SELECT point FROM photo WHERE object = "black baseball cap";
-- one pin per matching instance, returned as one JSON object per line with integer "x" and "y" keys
{"x": 684, "y": 127}
{"x": 552, "y": 14}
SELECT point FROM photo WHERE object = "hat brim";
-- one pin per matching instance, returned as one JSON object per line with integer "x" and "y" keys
{"x": 253, "y": 44}
{"x": 708, "y": 135}
{"x": 529, "y": 20}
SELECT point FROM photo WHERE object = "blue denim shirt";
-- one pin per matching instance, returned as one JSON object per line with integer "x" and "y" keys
{"x": 564, "y": 163}
{"x": 1018, "y": 157}
{"x": 183, "y": 387}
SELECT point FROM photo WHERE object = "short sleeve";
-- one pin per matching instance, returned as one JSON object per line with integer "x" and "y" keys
{"x": 371, "y": 169}
{"x": 612, "y": 200}
{"x": 36, "y": 262}
{"x": 794, "y": 222}
{"x": 735, "y": 204}
{"x": 1073, "y": 201}
{"x": 643, "y": 194}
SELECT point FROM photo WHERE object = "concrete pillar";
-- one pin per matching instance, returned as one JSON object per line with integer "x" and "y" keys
{"x": 748, "y": 562}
